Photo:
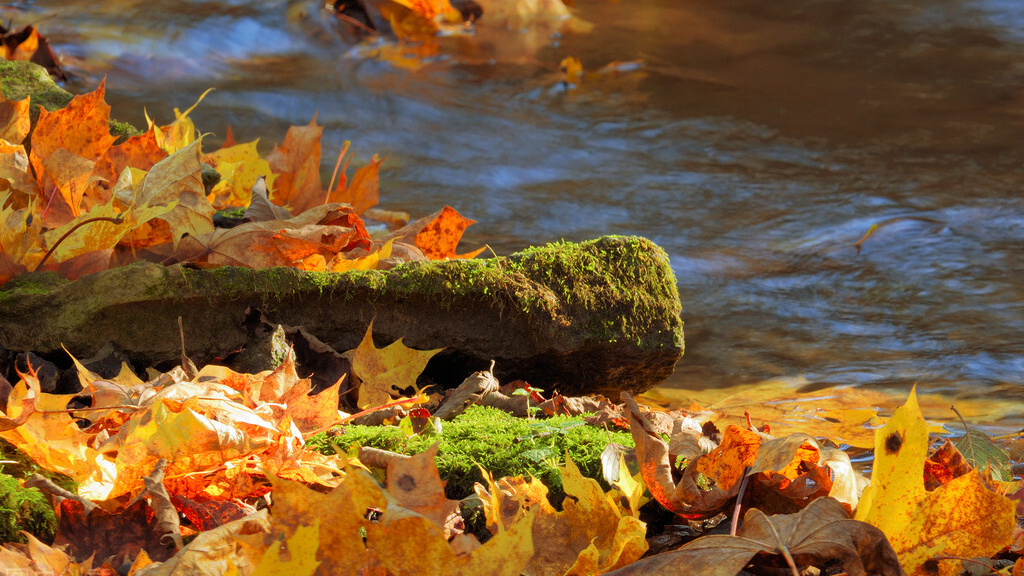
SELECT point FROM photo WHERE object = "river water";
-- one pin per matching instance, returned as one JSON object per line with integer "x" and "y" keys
{"x": 758, "y": 144}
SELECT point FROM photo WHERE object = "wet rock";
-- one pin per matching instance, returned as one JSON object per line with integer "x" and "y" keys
{"x": 593, "y": 317}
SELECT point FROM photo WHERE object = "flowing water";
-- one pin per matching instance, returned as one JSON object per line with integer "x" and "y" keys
{"x": 758, "y": 144}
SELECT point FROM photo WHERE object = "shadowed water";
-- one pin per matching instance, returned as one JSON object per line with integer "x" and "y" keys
{"x": 758, "y": 145}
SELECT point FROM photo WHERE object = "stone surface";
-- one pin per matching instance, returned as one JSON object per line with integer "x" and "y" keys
{"x": 594, "y": 317}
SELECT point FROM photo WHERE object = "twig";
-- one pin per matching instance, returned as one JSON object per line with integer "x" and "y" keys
{"x": 739, "y": 502}
{"x": 119, "y": 219}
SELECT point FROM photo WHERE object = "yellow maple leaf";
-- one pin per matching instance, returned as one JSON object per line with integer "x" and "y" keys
{"x": 961, "y": 518}
{"x": 384, "y": 370}
{"x": 181, "y": 132}
{"x": 239, "y": 167}
{"x": 398, "y": 540}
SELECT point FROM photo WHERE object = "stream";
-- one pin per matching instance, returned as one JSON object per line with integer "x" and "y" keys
{"x": 759, "y": 144}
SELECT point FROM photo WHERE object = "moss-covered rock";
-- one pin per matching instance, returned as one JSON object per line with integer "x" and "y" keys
{"x": 591, "y": 317}
{"x": 495, "y": 440}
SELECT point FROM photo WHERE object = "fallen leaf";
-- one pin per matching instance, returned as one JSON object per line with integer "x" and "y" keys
{"x": 820, "y": 533}
{"x": 296, "y": 162}
{"x": 961, "y": 518}
{"x": 385, "y": 370}
{"x": 81, "y": 128}
{"x": 14, "y": 120}
{"x": 591, "y": 535}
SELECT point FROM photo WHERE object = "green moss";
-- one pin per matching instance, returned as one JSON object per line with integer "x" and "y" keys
{"x": 560, "y": 280}
{"x": 499, "y": 442}
{"x": 32, "y": 283}
{"x": 24, "y": 509}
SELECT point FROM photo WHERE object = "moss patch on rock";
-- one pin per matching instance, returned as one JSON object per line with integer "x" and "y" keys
{"x": 599, "y": 316}
{"x": 502, "y": 444}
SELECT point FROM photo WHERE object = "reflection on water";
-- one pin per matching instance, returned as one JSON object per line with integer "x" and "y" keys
{"x": 759, "y": 144}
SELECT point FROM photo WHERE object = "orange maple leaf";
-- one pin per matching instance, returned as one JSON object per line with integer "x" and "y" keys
{"x": 296, "y": 162}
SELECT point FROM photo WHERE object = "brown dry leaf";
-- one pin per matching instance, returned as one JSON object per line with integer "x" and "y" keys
{"x": 96, "y": 533}
{"x": 218, "y": 551}
{"x": 415, "y": 485}
{"x": 296, "y": 162}
{"x": 962, "y": 518}
{"x": 385, "y": 370}
{"x": 727, "y": 463}
{"x": 305, "y": 241}
{"x": 819, "y": 533}
{"x": 38, "y": 559}
{"x": 943, "y": 465}
{"x": 686, "y": 497}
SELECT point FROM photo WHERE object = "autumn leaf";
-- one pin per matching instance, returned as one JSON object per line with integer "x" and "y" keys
{"x": 240, "y": 167}
{"x": 296, "y": 162}
{"x": 176, "y": 183}
{"x": 38, "y": 559}
{"x": 81, "y": 128}
{"x": 177, "y": 134}
{"x": 362, "y": 192}
{"x": 437, "y": 235}
{"x": 591, "y": 535}
{"x": 398, "y": 540}
{"x": 141, "y": 152}
{"x": 385, "y": 370}
{"x": 962, "y": 518}
{"x": 820, "y": 533}
{"x": 300, "y": 549}
{"x": 14, "y": 120}
{"x": 54, "y": 440}
{"x": 415, "y": 485}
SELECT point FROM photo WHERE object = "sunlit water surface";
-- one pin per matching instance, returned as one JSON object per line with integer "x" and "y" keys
{"x": 758, "y": 145}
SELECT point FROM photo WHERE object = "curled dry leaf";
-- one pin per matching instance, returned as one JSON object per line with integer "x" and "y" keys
{"x": 470, "y": 392}
{"x": 819, "y": 533}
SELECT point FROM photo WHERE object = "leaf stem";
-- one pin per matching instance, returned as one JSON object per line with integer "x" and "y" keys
{"x": 739, "y": 502}
{"x": 116, "y": 220}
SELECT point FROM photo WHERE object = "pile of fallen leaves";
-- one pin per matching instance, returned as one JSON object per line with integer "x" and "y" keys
{"x": 76, "y": 201}
{"x": 219, "y": 459}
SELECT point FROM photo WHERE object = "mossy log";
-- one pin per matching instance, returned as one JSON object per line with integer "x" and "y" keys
{"x": 593, "y": 317}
